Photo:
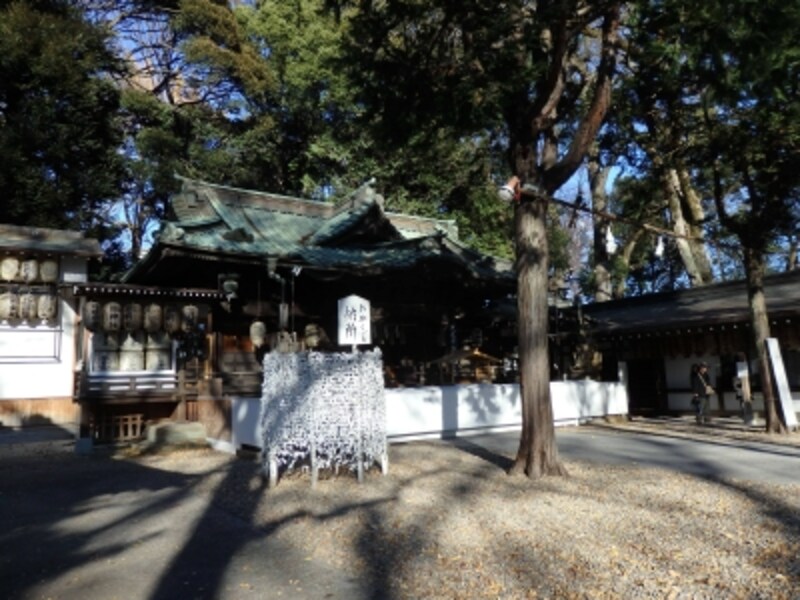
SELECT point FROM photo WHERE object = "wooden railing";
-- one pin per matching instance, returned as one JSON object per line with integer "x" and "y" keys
{"x": 126, "y": 384}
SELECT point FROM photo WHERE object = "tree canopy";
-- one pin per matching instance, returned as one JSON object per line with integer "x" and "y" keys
{"x": 664, "y": 115}
{"x": 59, "y": 116}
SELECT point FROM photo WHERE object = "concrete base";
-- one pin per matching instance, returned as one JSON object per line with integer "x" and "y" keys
{"x": 176, "y": 433}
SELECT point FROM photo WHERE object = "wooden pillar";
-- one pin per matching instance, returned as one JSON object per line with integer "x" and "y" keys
{"x": 180, "y": 409}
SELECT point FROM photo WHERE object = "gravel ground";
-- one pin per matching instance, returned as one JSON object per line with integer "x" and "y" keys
{"x": 446, "y": 523}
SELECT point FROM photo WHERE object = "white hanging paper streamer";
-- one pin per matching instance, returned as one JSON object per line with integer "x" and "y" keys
{"x": 332, "y": 402}
{"x": 611, "y": 243}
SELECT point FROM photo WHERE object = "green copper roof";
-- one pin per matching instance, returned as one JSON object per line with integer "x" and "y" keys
{"x": 356, "y": 235}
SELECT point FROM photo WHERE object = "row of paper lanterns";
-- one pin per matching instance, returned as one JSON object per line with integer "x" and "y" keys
{"x": 28, "y": 306}
{"x": 28, "y": 270}
{"x": 132, "y": 316}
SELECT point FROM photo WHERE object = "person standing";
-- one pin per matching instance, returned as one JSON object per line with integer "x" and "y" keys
{"x": 701, "y": 390}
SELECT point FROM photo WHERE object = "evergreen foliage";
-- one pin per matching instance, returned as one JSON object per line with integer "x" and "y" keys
{"x": 59, "y": 117}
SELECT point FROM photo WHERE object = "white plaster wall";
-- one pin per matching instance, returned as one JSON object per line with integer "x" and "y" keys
{"x": 581, "y": 400}
{"x": 43, "y": 377}
{"x": 434, "y": 410}
{"x": 416, "y": 413}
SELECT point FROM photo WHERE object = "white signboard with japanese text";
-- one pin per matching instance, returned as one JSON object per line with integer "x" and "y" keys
{"x": 354, "y": 321}
{"x": 29, "y": 344}
{"x": 779, "y": 375}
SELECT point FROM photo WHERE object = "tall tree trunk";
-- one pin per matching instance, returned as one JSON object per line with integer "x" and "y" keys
{"x": 625, "y": 257}
{"x": 754, "y": 268}
{"x": 538, "y": 453}
{"x": 694, "y": 206}
{"x": 533, "y": 148}
{"x": 680, "y": 227}
{"x": 692, "y": 252}
{"x": 598, "y": 176}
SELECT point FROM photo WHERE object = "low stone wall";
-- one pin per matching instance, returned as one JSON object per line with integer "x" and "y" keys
{"x": 445, "y": 411}
{"x": 449, "y": 411}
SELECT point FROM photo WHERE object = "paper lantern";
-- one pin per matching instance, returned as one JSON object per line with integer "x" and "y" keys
{"x": 132, "y": 316}
{"x": 91, "y": 315}
{"x": 48, "y": 271}
{"x": 112, "y": 316}
{"x": 258, "y": 333}
{"x": 47, "y": 307}
{"x": 153, "y": 318}
{"x": 9, "y": 267}
{"x": 29, "y": 270}
{"x": 172, "y": 318}
{"x": 28, "y": 307}
{"x": 9, "y": 306}
{"x": 189, "y": 316}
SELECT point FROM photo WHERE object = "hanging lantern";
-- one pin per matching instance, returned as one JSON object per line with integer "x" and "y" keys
{"x": 112, "y": 316}
{"x": 29, "y": 270}
{"x": 9, "y": 267}
{"x": 172, "y": 318}
{"x": 189, "y": 316}
{"x": 9, "y": 306}
{"x": 153, "y": 318}
{"x": 47, "y": 307}
{"x": 258, "y": 333}
{"x": 48, "y": 271}
{"x": 132, "y": 316}
{"x": 28, "y": 307}
{"x": 91, "y": 315}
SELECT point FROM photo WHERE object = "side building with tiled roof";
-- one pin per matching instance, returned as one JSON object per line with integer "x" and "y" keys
{"x": 660, "y": 336}
{"x": 39, "y": 338}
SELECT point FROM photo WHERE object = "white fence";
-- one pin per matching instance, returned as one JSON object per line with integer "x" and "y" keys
{"x": 435, "y": 412}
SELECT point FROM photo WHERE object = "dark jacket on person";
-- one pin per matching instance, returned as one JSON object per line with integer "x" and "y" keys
{"x": 699, "y": 382}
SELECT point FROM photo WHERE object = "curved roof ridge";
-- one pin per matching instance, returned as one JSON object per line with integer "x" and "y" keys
{"x": 251, "y": 192}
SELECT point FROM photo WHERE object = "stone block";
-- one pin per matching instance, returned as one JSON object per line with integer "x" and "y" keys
{"x": 174, "y": 433}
